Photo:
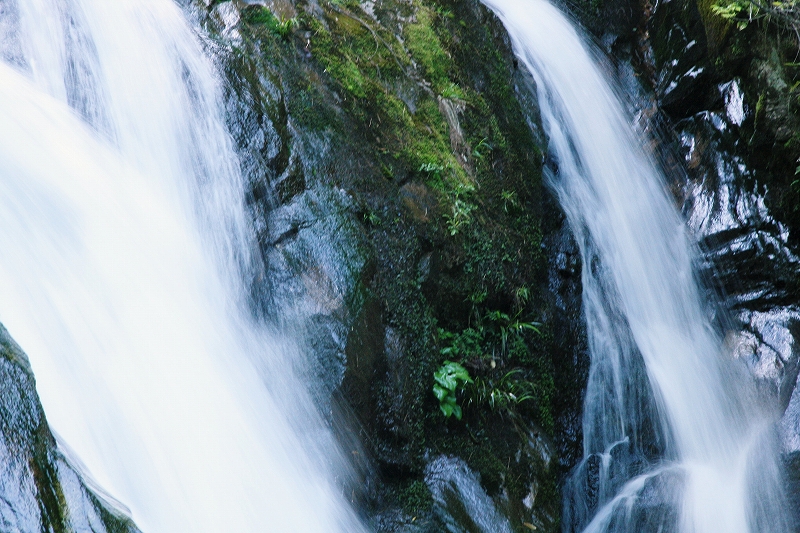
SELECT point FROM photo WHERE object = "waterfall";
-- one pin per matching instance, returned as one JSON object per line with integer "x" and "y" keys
{"x": 124, "y": 273}
{"x": 675, "y": 437}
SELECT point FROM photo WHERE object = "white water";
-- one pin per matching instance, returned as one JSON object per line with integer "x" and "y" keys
{"x": 689, "y": 400}
{"x": 123, "y": 246}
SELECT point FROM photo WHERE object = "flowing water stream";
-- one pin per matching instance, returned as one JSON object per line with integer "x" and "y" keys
{"x": 675, "y": 438}
{"x": 123, "y": 272}
{"x": 125, "y": 255}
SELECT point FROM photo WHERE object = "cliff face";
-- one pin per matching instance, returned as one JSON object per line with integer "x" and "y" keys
{"x": 394, "y": 157}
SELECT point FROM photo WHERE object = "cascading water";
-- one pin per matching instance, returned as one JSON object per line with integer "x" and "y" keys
{"x": 125, "y": 255}
{"x": 674, "y": 435}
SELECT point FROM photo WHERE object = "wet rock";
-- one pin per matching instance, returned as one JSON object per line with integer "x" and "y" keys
{"x": 419, "y": 201}
{"x": 679, "y": 45}
{"x": 728, "y": 114}
{"x": 39, "y": 489}
{"x": 460, "y": 501}
{"x": 388, "y": 205}
{"x": 747, "y": 257}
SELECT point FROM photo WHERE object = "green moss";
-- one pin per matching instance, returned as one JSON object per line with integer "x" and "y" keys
{"x": 258, "y": 15}
{"x": 308, "y": 106}
{"x": 716, "y": 26}
{"x": 367, "y": 62}
{"x": 415, "y": 497}
{"x": 427, "y": 50}
{"x": 350, "y": 76}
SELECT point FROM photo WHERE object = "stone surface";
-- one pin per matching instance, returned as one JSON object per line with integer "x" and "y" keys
{"x": 40, "y": 491}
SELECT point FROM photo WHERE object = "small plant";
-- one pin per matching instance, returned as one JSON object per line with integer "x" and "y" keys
{"x": 785, "y": 14}
{"x": 285, "y": 27}
{"x": 511, "y": 389}
{"x": 282, "y": 27}
{"x": 505, "y": 373}
{"x": 451, "y": 91}
{"x": 510, "y": 200}
{"x": 509, "y": 325}
{"x": 434, "y": 170}
{"x": 483, "y": 147}
{"x": 459, "y": 216}
{"x": 461, "y": 211}
{"x": 733, "y": 10}
{"x": 521, "y": 296}
{"x": 479, "y": 296}
{"x": 496, "y": 335}
{"x": 450, "y": 378}
{"x": 371, "y": 218}
{"x": 465, "y": 345}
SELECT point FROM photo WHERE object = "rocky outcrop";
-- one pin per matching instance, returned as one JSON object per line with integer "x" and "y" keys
{"x": 739, "y": 163}
{"x": 394, "y": 156}
{"x": 40, "y": 490}
{"x": 390, "y": 172}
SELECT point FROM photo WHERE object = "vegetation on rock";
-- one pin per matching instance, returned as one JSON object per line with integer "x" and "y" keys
{"x": 450, "y": 378}
{"x": 413, "y": 108}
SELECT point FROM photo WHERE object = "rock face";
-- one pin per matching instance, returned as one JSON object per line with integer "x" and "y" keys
{"x": 399, "y": 205}
{"x": 40, "y": 491}
{"x": 394, "y": 157}
{"x": 739, "y": 158}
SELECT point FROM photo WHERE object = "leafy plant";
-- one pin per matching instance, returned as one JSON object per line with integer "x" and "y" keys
{"x": 450, "y": 378}
{"x": 505, "y": 372}
{"x": 284, "y": 27}
{"x": 459, "y": 215}
{"x": 453, "y": 92}
{"x": 461, "y": 209}
{"x": 785, "y": 14}
{"x": 465, "y": 345}
{"x": 522, "y": 295}
{"x": 510, "y": 200}
{"x": 432, "y": 169}
{"x": 733, "y": 10}
{"x": 497, "y": 335}
{"x": 371, "y": 218}
{"x": 482, "y": 148}
{"x": 510, "y": 326}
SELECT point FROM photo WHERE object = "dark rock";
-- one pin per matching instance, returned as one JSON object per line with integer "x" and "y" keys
{"x": 377, "y": 229}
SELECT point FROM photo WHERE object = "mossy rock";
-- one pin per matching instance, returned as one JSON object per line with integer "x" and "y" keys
{"x": 418, "y": 113}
